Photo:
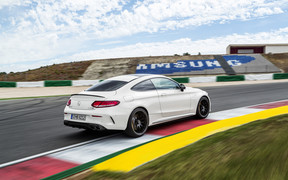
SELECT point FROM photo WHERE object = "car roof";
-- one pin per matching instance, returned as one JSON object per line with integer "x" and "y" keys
{"x": 131, "y": 77}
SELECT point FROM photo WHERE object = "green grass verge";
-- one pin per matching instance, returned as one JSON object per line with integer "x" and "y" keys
{"x": 258, "y": 150}
{"x": 33, "y": 97}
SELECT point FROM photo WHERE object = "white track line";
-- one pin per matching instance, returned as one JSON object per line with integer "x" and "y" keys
{"x": 96, "y": 150}
{"x": 54, "y": 151}
{"x": 226, "y": 114}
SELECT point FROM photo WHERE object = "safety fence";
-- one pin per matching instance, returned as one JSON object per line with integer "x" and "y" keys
{"x": 198, "y": 79}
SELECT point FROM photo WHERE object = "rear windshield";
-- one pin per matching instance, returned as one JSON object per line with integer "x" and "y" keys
{"x": 108, "y": 85}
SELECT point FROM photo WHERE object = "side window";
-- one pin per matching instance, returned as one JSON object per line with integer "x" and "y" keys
{"x": 143, "y": 86}
{"x": 163, "y": 83}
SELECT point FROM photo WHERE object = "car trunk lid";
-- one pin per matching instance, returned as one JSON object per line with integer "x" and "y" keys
{"x": 84, "y": 100}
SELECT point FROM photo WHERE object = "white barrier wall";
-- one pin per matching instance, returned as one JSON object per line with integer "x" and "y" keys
{"x": 276, "y": 49}
{"x": 30, "y": 84}
{"x": 257, "y": 77}
{"x": 202, "y": 79}
{"x": 84, "y": 82}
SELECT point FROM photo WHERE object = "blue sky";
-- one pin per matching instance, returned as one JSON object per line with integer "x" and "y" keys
{"x": 44, "y": 32}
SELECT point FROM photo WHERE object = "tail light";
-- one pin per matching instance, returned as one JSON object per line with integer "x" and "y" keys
{"x": 69, "y": 102}
{"x": 103, "y": 104}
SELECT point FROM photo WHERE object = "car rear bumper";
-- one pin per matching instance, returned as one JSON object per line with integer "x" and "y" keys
{"x": 108, "y": 119}
{"x": 82, "y": 125}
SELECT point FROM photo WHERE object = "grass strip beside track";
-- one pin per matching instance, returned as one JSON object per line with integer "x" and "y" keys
{"x": 129, "y": 160}
{"x": 257, "y": 150}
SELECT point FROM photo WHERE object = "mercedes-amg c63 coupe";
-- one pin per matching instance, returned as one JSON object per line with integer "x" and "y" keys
{"x": 134, "y": 102}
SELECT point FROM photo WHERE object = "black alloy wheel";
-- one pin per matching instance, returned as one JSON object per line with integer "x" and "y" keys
{"x": 203, "y": 108}
{"x": 138, "y": 123}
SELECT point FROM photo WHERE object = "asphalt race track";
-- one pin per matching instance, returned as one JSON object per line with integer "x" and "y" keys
{"x": 33, "y": 126}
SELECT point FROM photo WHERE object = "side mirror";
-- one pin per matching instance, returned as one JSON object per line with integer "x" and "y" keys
{"x": 182, "y": 87}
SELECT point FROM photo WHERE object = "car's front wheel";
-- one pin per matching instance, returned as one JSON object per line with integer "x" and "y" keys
{"x": 203, "y": 108}
{"x": 137, "y": 123}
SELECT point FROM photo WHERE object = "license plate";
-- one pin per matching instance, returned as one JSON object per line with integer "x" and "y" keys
{"x": 78, "y": 117}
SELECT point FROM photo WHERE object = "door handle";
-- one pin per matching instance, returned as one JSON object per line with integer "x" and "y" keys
{"x": 163, "y": 94}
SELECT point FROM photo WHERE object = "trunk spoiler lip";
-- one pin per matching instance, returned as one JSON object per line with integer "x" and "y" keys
{"x": 87, "y": 95}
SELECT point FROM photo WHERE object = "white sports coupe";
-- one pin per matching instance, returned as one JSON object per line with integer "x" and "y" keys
{"x": 134, "y": 102}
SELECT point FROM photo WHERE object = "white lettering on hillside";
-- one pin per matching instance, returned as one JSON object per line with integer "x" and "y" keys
{"x": 212, "y": 64}
{"x": 234, "y": 63}
{"x": 180, "y": 65}
{"x": 160, "y": 65}
{"x": 196, "y": 63}
{"x": 141, "y": 66}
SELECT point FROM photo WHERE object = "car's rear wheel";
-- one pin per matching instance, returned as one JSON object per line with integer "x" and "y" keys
{"x": 203, "y": 108}
{"x": 137, "y": 123}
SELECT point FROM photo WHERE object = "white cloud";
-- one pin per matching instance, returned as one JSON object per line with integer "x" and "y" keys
{"x": 108, "y": 18}
{"x": 109, "y": 43}
{"x": 216, "y": 45}
{"x": 47, "y": 29}
{"x": 17, "y": 48}
{"x": 4, "y": 3}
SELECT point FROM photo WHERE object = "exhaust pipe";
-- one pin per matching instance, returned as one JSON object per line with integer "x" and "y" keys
{"x": 96, "y": 127}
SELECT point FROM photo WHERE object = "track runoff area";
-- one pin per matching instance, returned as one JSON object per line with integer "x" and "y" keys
{"x": 118, "y": 152}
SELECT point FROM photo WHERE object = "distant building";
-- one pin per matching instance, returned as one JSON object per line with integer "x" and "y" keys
{"x": 256, "y": 48}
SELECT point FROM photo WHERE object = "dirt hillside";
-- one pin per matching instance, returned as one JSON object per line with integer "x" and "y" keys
{"x": 102, "y": 69}
{"x": 65, "y": 71}
{"x": 105, "y": 68}
{"x": 280, "y": 60}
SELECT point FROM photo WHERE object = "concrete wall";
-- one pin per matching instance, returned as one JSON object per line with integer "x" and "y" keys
{"x": 276, "y": 49}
